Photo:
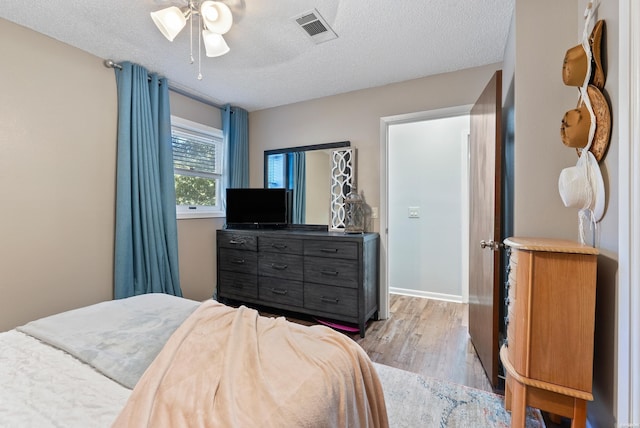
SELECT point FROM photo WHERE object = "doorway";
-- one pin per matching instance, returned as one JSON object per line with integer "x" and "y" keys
{"x": 424, "y": 205}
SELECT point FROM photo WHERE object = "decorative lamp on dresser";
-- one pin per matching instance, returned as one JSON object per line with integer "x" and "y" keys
{"x": 548, "y": 356}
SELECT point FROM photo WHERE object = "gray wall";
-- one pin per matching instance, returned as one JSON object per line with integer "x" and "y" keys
{"x": 57, "y": 176}
{"x": 57, "y": 172}
{"x": 57, "y": 181}
{"x": 544, "y": 30}
{"x": 318, "y": 170}
{"x": 197, "y": 237}
{"x": 541, "y": 99}
{"x": 355, "y": 116}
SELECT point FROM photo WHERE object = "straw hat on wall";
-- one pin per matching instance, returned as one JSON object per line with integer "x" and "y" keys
{"x": 575, "y": 64}
{"x": 576, "y": 125}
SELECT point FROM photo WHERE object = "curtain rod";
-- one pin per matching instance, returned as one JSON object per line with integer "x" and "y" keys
{"x": 111, "y": 64}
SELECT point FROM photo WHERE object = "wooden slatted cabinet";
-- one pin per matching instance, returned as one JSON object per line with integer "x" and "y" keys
{"x": 548, "y": 356}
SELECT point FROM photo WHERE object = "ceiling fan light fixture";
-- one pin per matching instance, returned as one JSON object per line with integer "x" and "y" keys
{"x": 217, "y": 16}
{"x": 214, "y": 18}
{"x": 214, "y": 44}
{"x": 170, "y": 21}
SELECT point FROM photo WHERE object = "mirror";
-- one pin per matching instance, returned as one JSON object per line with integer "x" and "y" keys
{"x": 310, "y": 167}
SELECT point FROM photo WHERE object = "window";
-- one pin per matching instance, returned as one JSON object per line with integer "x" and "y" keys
{"x": 198, "y": 154}
{"x": 277, "y": 172}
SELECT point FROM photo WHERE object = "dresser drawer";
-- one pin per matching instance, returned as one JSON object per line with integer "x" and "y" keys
{"x": 334, "y": 249}
{"x": 513, "y": 274}
{"x": 511, "y": 292}
{"x": 335, "y": 300}
{"x": 312, "y": 271}
{"x": 238, "y": 261}
{"x": 511, "y": 330}
{"x": 281, "y": 246}
{"x": 320, "y": 270}
{"x": 238, "y": 241}
{"x": 510, "y": 318}
{"x": 284, "y": 266}
{"x": 238, "y": 285}
{"x": 281, "y": 291}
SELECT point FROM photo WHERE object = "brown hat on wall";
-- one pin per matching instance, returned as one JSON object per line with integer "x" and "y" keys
{"x": 574, "y": 66}
{"x": 576, "y": 124}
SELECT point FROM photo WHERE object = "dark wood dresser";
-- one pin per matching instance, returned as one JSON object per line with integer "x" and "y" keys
{"x": 329, "y": 275}
{"x": 548, "y": 356}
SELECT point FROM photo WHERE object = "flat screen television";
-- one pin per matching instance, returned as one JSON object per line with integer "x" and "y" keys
{"x": 258, "y": 207}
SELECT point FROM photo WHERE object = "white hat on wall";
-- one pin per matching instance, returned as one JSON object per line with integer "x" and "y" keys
{"x": 582, "y": 187}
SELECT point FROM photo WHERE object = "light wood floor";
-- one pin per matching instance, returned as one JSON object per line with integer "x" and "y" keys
{"x": 428, "y": 337}
{"x": 424, "y": 336}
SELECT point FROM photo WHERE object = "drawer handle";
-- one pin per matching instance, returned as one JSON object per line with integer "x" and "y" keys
{"x": 278, "y": 266}
{"x": 329, "y": 272}
{"x": 329, "y": 300}
{"x": 278, "y": 246}
{"x": 238, "y": 261}
{"x": 279, "y": 291}
{"x": 329, "y": 250}
{"x": 237, "y": 241}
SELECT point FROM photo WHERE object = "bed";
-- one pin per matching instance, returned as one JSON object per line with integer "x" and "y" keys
{"x": 159, "y": 360}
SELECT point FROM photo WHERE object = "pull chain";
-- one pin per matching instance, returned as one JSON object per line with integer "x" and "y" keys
{"x": 191, "y": 36}
{"x": 199, "y": 49}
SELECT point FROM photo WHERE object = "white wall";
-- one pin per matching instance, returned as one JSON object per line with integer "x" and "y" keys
{"x": 425, "y": 173}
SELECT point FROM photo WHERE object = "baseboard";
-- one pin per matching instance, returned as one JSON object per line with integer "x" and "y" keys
{"x": 426, "y": 294}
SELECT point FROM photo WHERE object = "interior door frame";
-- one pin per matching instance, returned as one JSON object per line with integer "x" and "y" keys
{"x": 628, "y": 299}
{"x": 385, "y": 122}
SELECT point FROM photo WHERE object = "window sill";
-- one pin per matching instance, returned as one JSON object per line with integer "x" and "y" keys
{"x": 193, "y": 215}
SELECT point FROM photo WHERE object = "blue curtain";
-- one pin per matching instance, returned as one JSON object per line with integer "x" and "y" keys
{"x": 235, "y": 128}
{"x": 298, "y": 183}
{"x": 146, "y": 238}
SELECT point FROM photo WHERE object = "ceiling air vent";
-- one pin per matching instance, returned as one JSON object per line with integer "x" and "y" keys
{"x": 315, "y": 26}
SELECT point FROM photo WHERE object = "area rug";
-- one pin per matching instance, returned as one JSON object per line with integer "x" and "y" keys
{"x": 414, "y": 401}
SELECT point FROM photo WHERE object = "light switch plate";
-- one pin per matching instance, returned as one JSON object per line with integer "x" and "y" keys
{"x": 414, "y": 212}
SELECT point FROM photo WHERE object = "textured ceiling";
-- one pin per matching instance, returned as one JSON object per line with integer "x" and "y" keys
{"x": 272, "y": 61}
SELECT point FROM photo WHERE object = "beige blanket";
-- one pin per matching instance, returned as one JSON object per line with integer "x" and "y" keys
{"x": 226, "y": 367}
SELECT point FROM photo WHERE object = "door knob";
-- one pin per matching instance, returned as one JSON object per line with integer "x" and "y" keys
{"x": 491, "y": 244}
{"x": 485, "y": 244}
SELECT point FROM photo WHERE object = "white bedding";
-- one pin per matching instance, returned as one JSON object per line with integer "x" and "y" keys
{"x": 76, "y": 395}
{"x": 119, "y": 338}
{"x": 44, "y": 386}
{"x": 114, "y": 342}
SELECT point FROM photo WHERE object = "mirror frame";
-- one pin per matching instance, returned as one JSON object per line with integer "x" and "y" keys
{"x": 335, "y": 145}
{"x": 343, "y": 182}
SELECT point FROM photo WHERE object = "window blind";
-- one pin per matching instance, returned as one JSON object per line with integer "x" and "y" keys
{"x": 194, "y": 154}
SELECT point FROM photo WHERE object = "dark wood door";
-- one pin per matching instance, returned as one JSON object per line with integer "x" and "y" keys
{"x": 484, "y": 254}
